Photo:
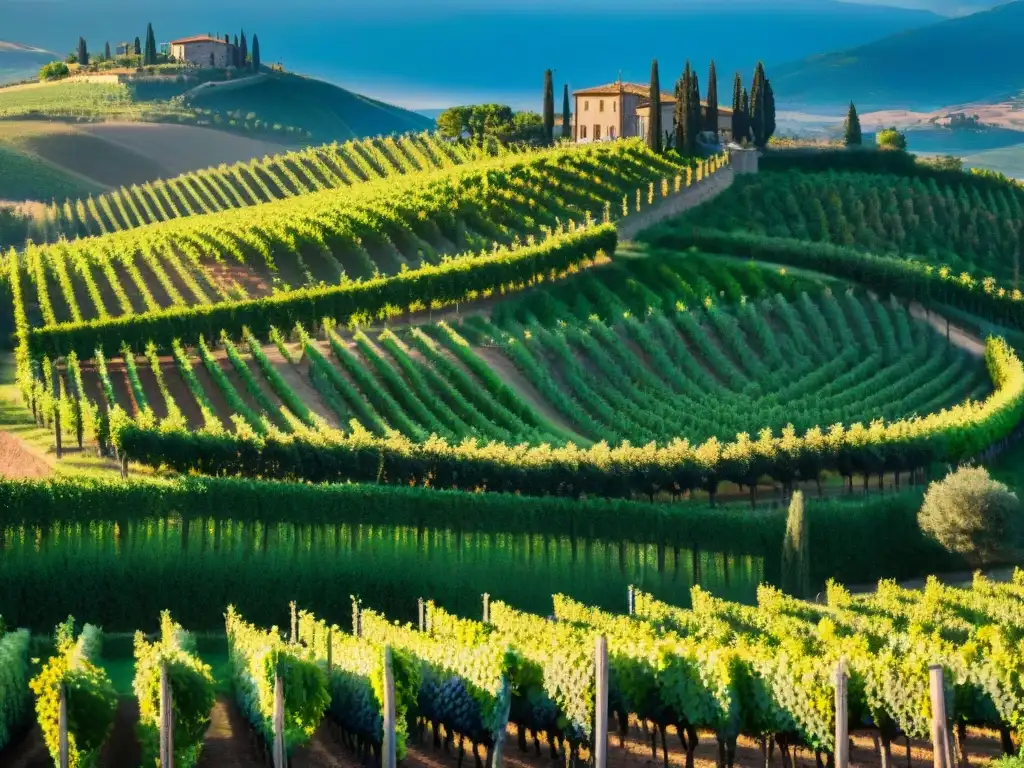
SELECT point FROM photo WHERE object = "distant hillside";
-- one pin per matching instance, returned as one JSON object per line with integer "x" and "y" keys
{"x": 327, "y": 112}
{"x": 18, "y": 62}
{"x": 971, "y": 58}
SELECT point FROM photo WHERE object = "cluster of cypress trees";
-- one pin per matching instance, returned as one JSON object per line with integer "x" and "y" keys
{"x": 753, "y": 115}
{"x": 753, "y": 112}
{"x": 548, "y": 111}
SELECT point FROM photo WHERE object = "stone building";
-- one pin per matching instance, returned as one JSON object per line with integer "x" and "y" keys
{"x": 621, "y": 110}
{"x": 197, "y": 51}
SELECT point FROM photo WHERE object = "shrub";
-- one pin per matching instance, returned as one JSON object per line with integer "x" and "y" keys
{"x": 55, "y": 70}
{"x": 890, "y": 138}
{"x": 971, "y": 514}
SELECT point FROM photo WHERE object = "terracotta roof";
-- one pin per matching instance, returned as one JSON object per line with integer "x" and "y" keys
{"x": 613, "y": 89}
{"x": 197, "y": 39}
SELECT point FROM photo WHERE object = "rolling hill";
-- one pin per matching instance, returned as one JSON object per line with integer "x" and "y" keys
{"x": 100, "y": 135}
{"x": 966, "y": 59}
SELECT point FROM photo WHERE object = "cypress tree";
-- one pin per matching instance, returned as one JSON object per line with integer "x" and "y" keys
{"x": 255, "y": 54}
{"x": 757, "y": 116}
{"x": 243, "y": 52}
{"x": 679, "y": 115}
{"x": 769, "y": 110}
{"x": 83, "y": 52}
{"x": 745, "y": 114}
{"x": 549, "y": 107}
{"x": 654, "y": 123}
{"x": 711, "y": 114}
{"x": 138, "y": 47}
{"x": 566, "y": 114}
{"x": 796, "y": 572}
{"x": 149, "y": 58}
{"x": 851, "y": 130}
{"x": 106, "y": 51}
{"x": 693, "y": 127}
{"x": 737, "y": 108}
{"x": 234, "y": 53}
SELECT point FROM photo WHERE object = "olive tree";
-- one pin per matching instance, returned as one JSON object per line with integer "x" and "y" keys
{"x": 969, "y": 513}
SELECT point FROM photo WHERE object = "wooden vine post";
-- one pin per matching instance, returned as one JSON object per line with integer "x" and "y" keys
{"x": 56, "y": 429}
{"x": 487, "y": 608}
{"x": 330, "y": 650}
{"x": 940, "y": 727}
{"x": 631, "y": 599}
{"x": 842, "y": 718}
{"x": 601, "y": 703}
{"x": 388, "y": 756}
{"x": 357, "y": 619}
{"x": 166, "y": 719}
{"x": 295, "y": 624}
{"x": 63, "y": 757}
{"x": 279, "y": 754}
{"x": 421, "y": 606}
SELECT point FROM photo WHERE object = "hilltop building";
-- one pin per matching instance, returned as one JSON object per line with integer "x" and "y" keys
{"x": 203, "y": 51}
{"x": 621, "y": 110}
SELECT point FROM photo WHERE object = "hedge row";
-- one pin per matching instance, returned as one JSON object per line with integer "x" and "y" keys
{"x": 837, "y": 527}
{"x": 428, "y": 286}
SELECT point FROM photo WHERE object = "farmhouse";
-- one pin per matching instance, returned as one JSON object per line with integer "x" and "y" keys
{"x": 618, "y": 110}
{"x": 203, "y": 51}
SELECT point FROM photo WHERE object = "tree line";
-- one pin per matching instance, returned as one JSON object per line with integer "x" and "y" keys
{"x": 753, "y": 111}
{"x": 147, "y": 55}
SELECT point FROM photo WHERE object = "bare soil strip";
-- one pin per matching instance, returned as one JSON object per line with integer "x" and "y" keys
{"x": 18, "y": 461}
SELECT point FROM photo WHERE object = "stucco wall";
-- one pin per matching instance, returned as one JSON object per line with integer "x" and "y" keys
{"x": 589, "y": 114}
{"x": 199, "y": 54}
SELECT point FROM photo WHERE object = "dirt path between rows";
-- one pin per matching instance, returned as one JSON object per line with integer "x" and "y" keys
{"x": 18, "y": 461}
{"x": 229, "y": 741}
{"x": 518, "y": 383}
{"x": 122, "y": 749}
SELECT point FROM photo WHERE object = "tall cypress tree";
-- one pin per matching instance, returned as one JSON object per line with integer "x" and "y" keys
{"x": 737, "y": 108}
{"x": 106, "y": 51}
{"x": 149, "y": 57}
{"x": 694, "y": 126}
{"x": 83, "y": 52}
{"x": 243, "y": 52}
{"x": 255, "y": 54}
{"x": 851, "y": 130}
{"x": 549, "y": 107}
{"x": 796, "y": 571}
{"x": 679, "y": 115}
{"x": 685, "y": 139}
{"x": 654, "y": 123}
{"x": 711, "y": 115}
{"x": 769, "y": 110}
{"x": 566, "y": 114}
{"x": 757, "y": 115}
{"x": 138, "y": 47}
{"x": 745, "y": 115}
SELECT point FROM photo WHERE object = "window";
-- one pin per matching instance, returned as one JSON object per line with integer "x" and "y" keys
{"x": 613, "y": 105}
{"x": 583, "y": 131}
{"x": 586, "y": 106}
{"x": 611, "y": 132}
{"x": 597, "y": 133}
{"x": 600, "y": 106}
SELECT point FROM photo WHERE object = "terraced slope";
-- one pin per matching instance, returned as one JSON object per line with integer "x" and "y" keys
{"x": 336, "y": 235}
{"x": 963, "y": 225}
{"x": 276, "y": 177}
{"x": 644, "y": 350}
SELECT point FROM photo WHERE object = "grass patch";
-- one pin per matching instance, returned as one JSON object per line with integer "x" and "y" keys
{"x": 24, "y": 176}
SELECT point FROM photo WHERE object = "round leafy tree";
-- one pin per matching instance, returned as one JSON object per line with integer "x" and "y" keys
{"x": 971, "y": 514}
